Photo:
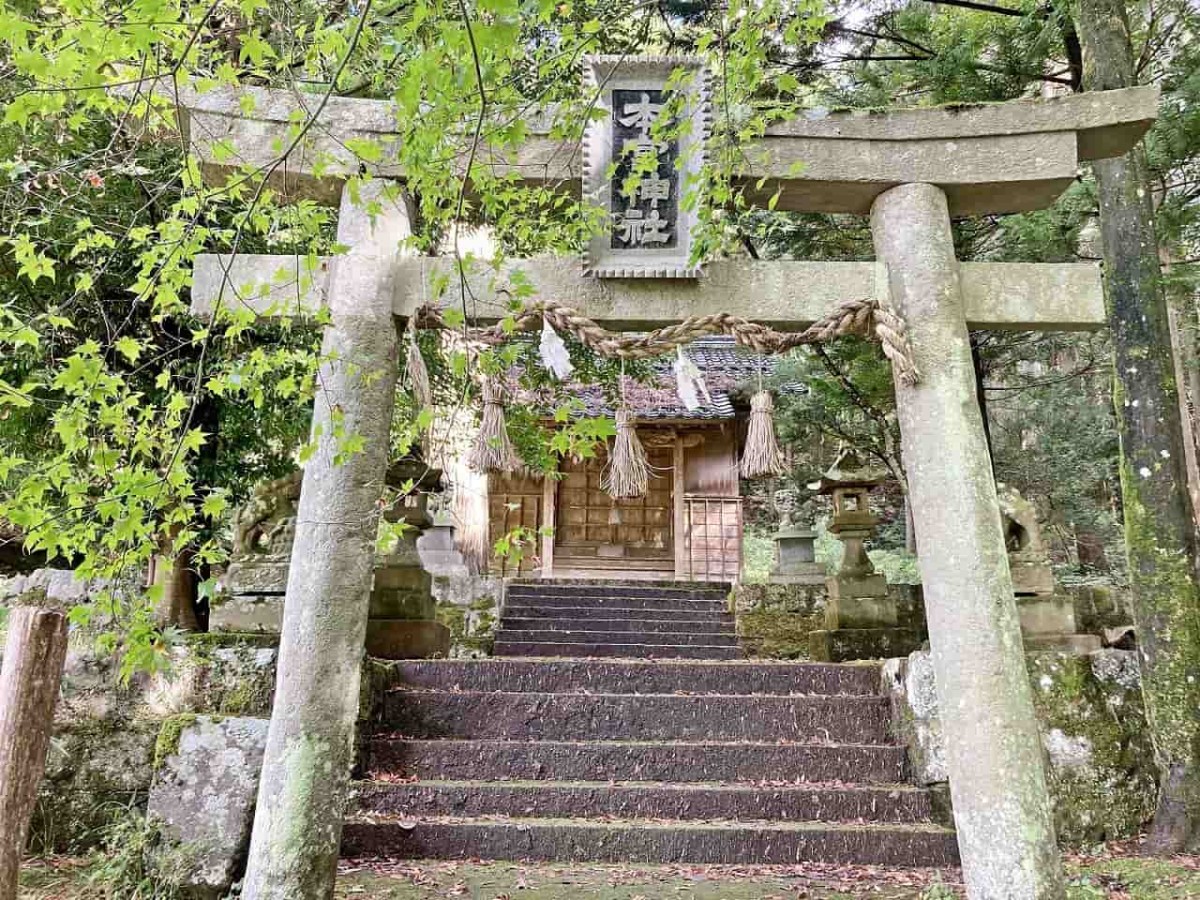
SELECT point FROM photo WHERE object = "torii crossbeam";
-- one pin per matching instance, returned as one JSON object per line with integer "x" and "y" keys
{"x": 911, "y": 171}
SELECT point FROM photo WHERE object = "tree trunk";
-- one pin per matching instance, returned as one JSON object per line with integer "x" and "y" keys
{"x": 177, "y": 605}
{"x": 34, "y": 655}
{"x": 1160, "y": 533}
{"x": 306, "y": 768}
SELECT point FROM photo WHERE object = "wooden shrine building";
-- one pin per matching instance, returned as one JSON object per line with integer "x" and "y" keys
{"x": 687, "y": 526}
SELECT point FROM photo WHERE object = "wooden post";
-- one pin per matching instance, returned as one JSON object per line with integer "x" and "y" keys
{"x": 677, "y": 486}
{"x": 34, "y": 655}
{"x": 549, "y": 522}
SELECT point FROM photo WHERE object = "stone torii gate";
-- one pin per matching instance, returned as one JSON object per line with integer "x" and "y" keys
{"x": 911, "y": 171}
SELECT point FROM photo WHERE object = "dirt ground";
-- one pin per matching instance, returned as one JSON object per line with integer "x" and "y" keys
{"x": 1114, "y": 873}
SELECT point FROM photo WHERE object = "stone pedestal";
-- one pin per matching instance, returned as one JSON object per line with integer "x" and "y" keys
{"x": 1047, "y": 617}
{"x": 401, "y": 623}
{"x": 1048, "y": 623}
{"x": 250, "y": 598}
{"x": 795, "y": 558}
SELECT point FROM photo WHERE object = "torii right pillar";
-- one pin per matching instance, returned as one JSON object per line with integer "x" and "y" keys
{"x": 994, "y": 753}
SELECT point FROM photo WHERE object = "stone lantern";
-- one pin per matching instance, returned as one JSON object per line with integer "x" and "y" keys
{"x": 796, "y": 557}
{"x": 861, "y": 619}
{"x": 402, "y": 622}
{"x": 849, "y": 482}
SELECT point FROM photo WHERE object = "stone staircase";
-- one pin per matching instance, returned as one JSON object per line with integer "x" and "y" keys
{"x": 638, "y": 760}
{"x": 638, "y": 620}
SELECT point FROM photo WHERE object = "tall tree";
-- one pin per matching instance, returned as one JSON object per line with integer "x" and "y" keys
{"x": 1160, "y": 532}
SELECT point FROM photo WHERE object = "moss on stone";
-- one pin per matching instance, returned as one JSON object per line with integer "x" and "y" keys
{"x": 169, "y": 735}
{"x": 202, "y": 642}
{"x": 472, "y": 627}
{"x": 777, "y": 634}
{"x": 1101, "y": 776}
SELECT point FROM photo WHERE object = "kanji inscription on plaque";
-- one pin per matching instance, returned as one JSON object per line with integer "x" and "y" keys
{"x": 649, "y": 226}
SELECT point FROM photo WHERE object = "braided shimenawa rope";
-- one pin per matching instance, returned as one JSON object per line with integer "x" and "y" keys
{"x": 864, "y": 318}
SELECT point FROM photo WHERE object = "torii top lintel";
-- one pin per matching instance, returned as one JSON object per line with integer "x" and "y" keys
{"x": 987, "y": 158}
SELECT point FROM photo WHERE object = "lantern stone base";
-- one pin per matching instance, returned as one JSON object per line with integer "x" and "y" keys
{"x": 857, "y": 586}
{"x": 799, "y": 573}
{"x": 407, "y": 639}
{"x": 850, "y": 644}
{"x": 860, "y": 612}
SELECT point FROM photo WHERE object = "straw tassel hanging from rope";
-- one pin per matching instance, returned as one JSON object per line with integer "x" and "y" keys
{"x": 762, "y": 455}
{"x": 627, "y": 473}
{"x": 493, "y": 451}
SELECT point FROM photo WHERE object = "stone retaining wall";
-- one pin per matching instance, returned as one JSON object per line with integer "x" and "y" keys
{"x": 1100, "y": 763}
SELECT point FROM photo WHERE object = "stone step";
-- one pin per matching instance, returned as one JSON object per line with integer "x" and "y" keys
{"x": 648, "y": 800}
{"x": 694, "y": 611}
{"x": 670, "y": 583}
{"x": 658, "y": 842}
{"x": 669, "y": 605}
{"x": 676, "y": 638}
{"x": 601, "y": 590}
{"x": 551, "y": 649}
{"x": 645, "y": 717}
{"x": 510, "y": 623}
{"x": 638, "y": 677}
{"x": 481, "y": 760}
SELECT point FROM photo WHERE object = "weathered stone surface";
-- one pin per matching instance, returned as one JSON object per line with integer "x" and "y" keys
{"x": 683, "y": 802}
{"x": 402, "y": 592}
{"x": 852, "y": 586}
{"x": 849, "y": 158}
{"x": 783, "y": 293}
{"x": 246, "y": 614}
{"x": 203, "y": 797}
{"x": 557, "y": 649}
{"x": 1092, "y": 724}
{"x": 94, "y": 771}
{"x": 851, "y": 644}
{"x": 641, "y": 760}
{"x": 643, "y": 842}
{"x": 651, "y": 717}
{"x": 847, "y": 609}
{"x": 309, "y": 754}
{"x": 256, "y": 576}
{"x": 208, "y": 677}
{"x": 407, "y": 639}
{"x": 60, "y": 587}
{"x": 1001, "y": 806}
{"x": 636, "y": 677}
{"x": 438, "y": 553}
{"x": 1046, "y": 614}
{"x": 774, "y": 620}
{"x": 467, "y": 605}
{"x": 1100, "y": 606}
{"x": 909, "y": 683}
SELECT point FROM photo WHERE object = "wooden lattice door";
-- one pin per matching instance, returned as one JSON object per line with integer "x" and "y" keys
{"x": 592, "y": 524}
{"x": 514, "y": 502}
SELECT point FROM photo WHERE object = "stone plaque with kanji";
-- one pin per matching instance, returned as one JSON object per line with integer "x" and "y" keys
{"x": 641, "y": 157}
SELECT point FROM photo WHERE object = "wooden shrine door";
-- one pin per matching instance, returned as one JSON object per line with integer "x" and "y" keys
{"x": 595, "y": 531}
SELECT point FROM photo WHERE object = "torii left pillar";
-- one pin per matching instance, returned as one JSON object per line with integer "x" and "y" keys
{"x": 306, "y": 770}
